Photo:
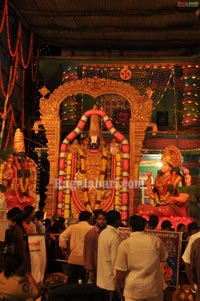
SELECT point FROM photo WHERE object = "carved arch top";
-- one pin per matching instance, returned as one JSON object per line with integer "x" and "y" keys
{"x": 50, "y": 107}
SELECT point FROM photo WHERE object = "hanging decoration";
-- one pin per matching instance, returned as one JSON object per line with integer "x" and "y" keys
{"x": 157, "y": 77}
{"x": 190, "y": 95}
{"x": 19, "y": 59}
{"x": 125, "y": 73}
{"x": 68, "y": 108}
{"x": 115, "y": 106}
{"x": 69, "y": 72}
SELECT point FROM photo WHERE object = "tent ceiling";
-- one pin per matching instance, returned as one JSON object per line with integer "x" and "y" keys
{"x": 115, "y": 27}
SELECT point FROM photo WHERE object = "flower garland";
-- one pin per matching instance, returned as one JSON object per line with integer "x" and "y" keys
{"x": 68, "y": 171}
{"x": 117, "y": 201}
{"x": 19, "y": 45}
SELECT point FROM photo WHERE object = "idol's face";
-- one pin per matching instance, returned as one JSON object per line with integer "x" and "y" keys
{"x": 21, "y": 156}
{"x": 165, "y": 167}
{"x": 94, "y": 142}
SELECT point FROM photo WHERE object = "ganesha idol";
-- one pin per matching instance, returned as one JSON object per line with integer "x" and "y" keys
{"x": 91, "y": 171}
{"x": 166, "y": 200}
{"x": 18, "y": 176}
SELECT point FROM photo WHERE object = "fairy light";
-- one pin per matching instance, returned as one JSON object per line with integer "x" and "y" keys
{"x": 190, "y": 94}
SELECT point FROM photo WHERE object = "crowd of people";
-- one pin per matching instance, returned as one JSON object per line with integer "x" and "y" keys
{"x": 95, "y": 253}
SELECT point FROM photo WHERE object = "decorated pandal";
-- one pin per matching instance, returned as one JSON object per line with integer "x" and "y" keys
{"x": 94, "y": 174}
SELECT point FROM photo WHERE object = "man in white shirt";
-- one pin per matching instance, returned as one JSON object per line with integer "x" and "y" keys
{"x": 75, "y": 235}
{"x": 187, "y": 254}
{"x": 138, "y": 262}
{"x": 108, "y": 243}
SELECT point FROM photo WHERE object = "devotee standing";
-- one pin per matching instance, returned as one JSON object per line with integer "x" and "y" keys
{"x": 195, "y": 266}
{"x": 187, "y": 254}
{"x": 138, "y": 262}
{"x": 108, "y": 244}
{"x": 28, "y": 217}
{"x": 152, "y": 222}
{"x": 166, "y": 225}
{"x": 91, "y": 245}
{"x": 40, "y": 227}
{"x": 75, "y": 235}
{"x": 16, "y": 241}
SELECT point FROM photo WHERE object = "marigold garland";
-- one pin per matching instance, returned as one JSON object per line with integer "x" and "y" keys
{"x": 17, "y": 55}
{"x": 67, "y": 198}
{"x": 117, "y": 182}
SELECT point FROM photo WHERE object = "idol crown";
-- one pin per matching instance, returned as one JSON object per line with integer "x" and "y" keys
{"x": 172, "y": 156}
{"x": 19, "y": 141}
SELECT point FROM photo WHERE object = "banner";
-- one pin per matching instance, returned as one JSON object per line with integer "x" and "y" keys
{"x": 37, "y": 249}
{"x": 172, "y": 242}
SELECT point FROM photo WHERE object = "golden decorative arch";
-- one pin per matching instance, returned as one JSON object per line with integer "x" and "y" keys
{"x": 141, "y": 111}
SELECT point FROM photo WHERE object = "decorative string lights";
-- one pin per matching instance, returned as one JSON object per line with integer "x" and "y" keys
{"x": 140, "y": 77}
{"x": 69, "y": 106}
{"x": 190, "y": 94}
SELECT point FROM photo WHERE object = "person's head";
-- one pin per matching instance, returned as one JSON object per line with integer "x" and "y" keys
{"x": 39, "y": 215}
{"x": 55, "y": 216}
{"x": 12, "y": 264}
{"x": 192, "y": 228}
{"x": 59, "y": 225}
{"x": 137, "y": 223}
{"x": 85, "y": 216}
{"x": 14, "y": 216}
{"x": 101, "y": 220}
{"x": 181, "y": 227}
{"x": 95, "y": 214}
{"x": 153, "y": 221}
{"x": 29, "y": 213}
{"x": 166, "y": 225}
{"x": 47, "y": 223}
{"x": 113, "y": 218}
